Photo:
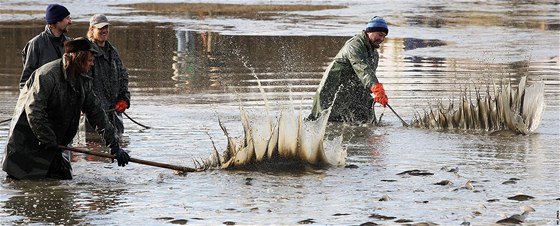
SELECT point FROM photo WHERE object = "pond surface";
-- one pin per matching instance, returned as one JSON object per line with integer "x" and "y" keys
{"x": 186, "y": 72}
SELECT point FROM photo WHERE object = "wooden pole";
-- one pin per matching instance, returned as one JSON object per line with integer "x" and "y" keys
{"x": 140, "y": 161}
{"x": 403, "y": 122}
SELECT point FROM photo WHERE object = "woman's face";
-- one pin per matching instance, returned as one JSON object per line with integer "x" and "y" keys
{"x": 88, "y": 63}
{"x": 100, "y": 34}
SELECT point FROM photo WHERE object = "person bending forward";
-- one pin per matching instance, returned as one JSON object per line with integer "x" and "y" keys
{"x": 47, "y": 115}
{"x": 351, "y": 76}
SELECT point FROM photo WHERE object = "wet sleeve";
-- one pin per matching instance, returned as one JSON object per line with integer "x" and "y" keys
{"x": 357, "y": 56}
{"x": 124, "y": 94}
{"x": 30, "y": 57}
{"x": 36, "y": 108}
{"x": 96, "y": 115}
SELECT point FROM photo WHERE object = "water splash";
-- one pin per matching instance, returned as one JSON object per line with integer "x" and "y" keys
{"x": 285, "y": 138}
{"x": 517, "y": 110}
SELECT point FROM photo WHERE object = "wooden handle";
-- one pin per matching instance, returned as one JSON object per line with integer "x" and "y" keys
{"x": 145, "y": 162}
{"x": 403, "y": 122}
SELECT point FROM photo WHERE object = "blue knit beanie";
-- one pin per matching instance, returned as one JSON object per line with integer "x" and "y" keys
{"x": 377, "y": 24}
{"x": 55, "y": 13}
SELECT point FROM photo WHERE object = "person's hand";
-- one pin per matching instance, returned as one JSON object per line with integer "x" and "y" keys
{"x": 121, "y": 155}
{"x": 121, "y": 106}
{"x": 380, "y": 96}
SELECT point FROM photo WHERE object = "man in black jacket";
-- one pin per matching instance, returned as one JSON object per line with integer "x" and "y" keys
{"x": 49, "y": 44}
{"x": 47, "y": 115}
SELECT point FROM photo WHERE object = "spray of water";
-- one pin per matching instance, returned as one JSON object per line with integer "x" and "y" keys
{"x": 288, "y": 139}
{"x": 519, "y": 111}
{"x": 285, "y": 138}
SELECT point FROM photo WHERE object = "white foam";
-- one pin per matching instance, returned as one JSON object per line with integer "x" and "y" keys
{"x": 277, "y": 139}
{"x": 517, "y": 110}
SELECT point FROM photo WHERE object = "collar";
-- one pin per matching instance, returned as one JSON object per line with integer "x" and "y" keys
{"x": 49, "y": 32}
{"x": 100, "y": 50}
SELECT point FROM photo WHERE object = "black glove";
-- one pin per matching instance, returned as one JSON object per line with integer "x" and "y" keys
{"x": 121, "y": 155}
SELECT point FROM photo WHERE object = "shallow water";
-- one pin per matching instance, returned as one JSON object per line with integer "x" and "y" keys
{"x": 183, "y": 77}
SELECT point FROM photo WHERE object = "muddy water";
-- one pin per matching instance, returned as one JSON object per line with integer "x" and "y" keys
{"x": 182, "y": 81}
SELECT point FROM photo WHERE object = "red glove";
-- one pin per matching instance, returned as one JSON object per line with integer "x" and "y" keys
{"x": 380, "y": 96}
{"x": 121, "y": 106}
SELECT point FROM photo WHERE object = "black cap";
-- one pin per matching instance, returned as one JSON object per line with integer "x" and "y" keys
{"x": 78, "y": 44}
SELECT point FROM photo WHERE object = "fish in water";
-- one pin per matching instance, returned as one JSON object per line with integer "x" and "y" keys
{"x": 307, "y": 221}
{"x": 444, "y": 182}
{"x": 385, "y": 197}
{"x": 468, "y": 186}
{"x": 517, "y": 218}
{"x": 416, "y": 173}
{"x": 521, "y": 197}
{"x": 381, "y": 217}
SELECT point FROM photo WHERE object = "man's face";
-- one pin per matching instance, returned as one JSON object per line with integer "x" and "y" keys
{"x": 376, "y": 38}
{"x": 101, "y": 34}
{"x": 64, "y": 24}
{"x": 86, "y": 66}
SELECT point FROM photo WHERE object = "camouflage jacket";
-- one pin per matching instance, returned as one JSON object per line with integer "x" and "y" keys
{"x": 40, "y": 50}
{"x": 110, "y": 77}
{"x": 351, "y": 74}
{"x": 48, "y": 112}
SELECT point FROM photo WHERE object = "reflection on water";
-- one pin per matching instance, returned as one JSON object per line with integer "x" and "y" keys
{"x": 184, "y": 61}
{"x": 449, "y": 15}
{"x": 181, "y": 81}
{"x": 193, "y": 59}
{"x": 55, "y": 202}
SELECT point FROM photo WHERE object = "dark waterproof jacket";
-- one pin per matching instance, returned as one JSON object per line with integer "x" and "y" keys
{"x": 110, "y": 77}
{"x": 40, "y": 50}
{"x": 110, "y": 82}
{"x": 48, "y": 112}
{"x": 351, "y": 74}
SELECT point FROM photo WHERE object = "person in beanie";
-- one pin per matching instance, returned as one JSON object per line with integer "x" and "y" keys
{"x": 110, "y": 81}
{"x": 49, "y": 44}
{"x": 350, "y": 79}
{"x": 47, "y": 115}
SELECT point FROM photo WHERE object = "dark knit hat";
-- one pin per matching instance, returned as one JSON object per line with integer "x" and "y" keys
{"x": 78, "y": 44}
{"x": 377, "y": 24}
{"x": 55, "y": 13}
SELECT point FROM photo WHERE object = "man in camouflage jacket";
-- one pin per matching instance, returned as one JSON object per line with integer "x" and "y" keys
{"x": 350, "y": 78}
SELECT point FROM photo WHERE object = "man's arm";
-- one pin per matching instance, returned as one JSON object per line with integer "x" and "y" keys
{"x": 364, "y": 69}
{"x": 36, "y": 108}
{"x": 124, "y": 94}
{"x": 30, "y": 59}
